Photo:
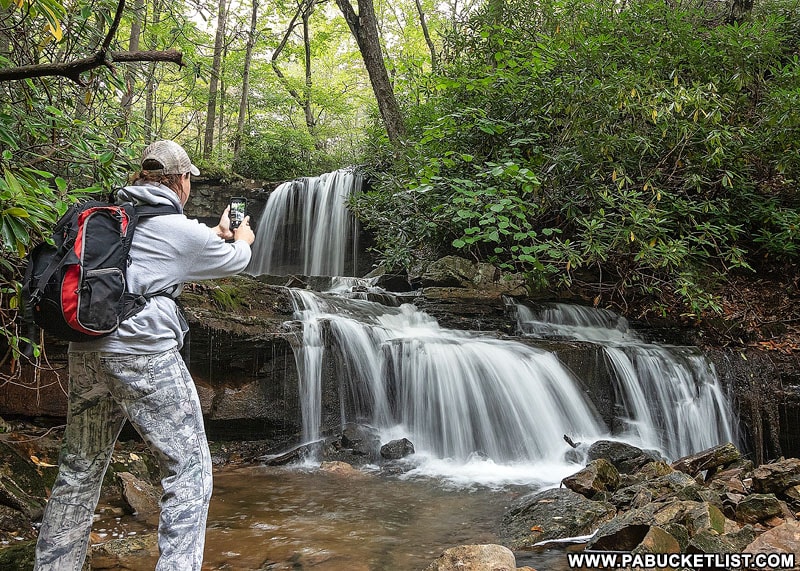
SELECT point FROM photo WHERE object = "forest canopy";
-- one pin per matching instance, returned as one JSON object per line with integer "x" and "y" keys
{"x": 633, "y": 149}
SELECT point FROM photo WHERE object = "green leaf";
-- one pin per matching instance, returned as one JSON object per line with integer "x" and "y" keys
{"x": 16, "y": 211}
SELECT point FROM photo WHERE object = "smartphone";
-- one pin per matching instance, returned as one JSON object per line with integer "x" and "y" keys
{"x": 237, "y": 211}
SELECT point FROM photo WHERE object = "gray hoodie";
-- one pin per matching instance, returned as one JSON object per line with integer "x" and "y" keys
{"x": 167, "y": 250}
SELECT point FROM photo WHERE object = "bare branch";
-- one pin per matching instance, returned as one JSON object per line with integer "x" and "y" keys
{"x": 73, "y": 70}
{"x": 112, "y": 31}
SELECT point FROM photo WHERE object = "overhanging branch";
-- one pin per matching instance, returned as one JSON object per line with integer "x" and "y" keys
{"x": 73, "y": 70}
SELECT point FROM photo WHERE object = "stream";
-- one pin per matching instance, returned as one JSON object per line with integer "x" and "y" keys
{"x": 288, "y": 518}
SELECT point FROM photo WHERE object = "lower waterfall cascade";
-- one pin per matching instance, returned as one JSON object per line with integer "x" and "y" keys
{"x": 496, "y": 410}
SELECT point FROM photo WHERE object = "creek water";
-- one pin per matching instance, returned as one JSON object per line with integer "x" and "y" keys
{"x": 289, "y": 518}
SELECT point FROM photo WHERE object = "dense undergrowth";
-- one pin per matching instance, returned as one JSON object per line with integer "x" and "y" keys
{"x": 628, "y": 150}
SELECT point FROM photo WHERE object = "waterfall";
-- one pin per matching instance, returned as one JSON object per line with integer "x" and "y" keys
{"x": 498, "y": 406}
{"x": 306, "y": 228}
{"x": 672, "y": 397}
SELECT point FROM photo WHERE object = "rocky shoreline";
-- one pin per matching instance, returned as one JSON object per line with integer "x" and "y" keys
{"x": 624, "y": 500}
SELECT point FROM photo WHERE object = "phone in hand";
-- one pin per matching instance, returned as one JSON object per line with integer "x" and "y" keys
{"x": 238, "y": 208}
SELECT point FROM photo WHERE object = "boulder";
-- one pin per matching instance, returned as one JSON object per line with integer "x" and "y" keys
{"x": 758, "y": 507}
{"x": 141, "y": 496}
{"x": 625, "y": 457}
{"x": 397, "y": 449}
{"x": 625, "y": 531}
{"x": 709, "y": 459}
{"x": 553, "y": 514}
{"x": 341, "y": 469}
{"x": 598, "y": 476}
{"x": 475, "y": 558}
{"x": 658, "y": 488}
{"x": 133, "y": 553}
{"x": 696, "y": 516}
{"x": 776, "y": 476}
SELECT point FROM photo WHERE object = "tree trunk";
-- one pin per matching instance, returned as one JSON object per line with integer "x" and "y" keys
{"x": 251, "y": 40}
{"x": 211, "y": 114}
{"x": 221, "y": 95}
{"x": 364, "y": 27}
{"x": 310, "y": 122}
{"x": 304, "y": 11}
{"x": 740, "y": 10}
{"x": 130, "y": 73}
{"x": 150, "y": 88}
{"x": 427, "y": 34}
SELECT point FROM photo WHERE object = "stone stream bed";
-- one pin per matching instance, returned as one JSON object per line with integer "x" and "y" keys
{"x": 336, "y": 515}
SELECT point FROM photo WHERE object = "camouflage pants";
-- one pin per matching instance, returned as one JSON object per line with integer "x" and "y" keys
{"x": 157, "y": 394}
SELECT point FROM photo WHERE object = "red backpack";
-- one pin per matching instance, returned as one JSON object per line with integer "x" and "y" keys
{"x": 76, "y": 289}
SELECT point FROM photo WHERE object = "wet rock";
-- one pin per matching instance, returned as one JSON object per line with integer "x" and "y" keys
{"x": 776, "y": 476}
{"x": 708, "y": 541}
{"x": 626, "y": 458}
{"x": 475, "y": 558}
{"x": 361, "y": 439}
{"x": 393, "y": 282}
{"x": 141, "y": 496}
{"x": 553, "y": 514}
{"x": 341, "y": 469}
{"x": 655, "y": 489}
{"x": 625, "y": 531}
{"x": 296, "y": 454}
{"x": 131, "y": 553}
{"x": 710, "y": 459}
{"x": 758, "y": 507}
{"x": 356, "y": 444}
{"x": 598, "y": 476}
{"x": 397, "y": 449}
{"x": 696, "y": 516}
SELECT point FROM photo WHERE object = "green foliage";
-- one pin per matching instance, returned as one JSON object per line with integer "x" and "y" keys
{"x": 282, "y": 153}
{"x": 633, "y": 150}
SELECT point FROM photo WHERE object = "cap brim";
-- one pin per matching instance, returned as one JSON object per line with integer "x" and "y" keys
{"x": 194, "y": 170}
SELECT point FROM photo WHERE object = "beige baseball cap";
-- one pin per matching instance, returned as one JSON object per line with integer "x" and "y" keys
{"x": 172, "y": 157}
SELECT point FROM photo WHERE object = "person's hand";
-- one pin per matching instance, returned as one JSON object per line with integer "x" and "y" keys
{"x": 244, "y": 232}
{"x": 223, "y": 229}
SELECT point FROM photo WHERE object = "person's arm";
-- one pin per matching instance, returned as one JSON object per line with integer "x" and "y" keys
{"x": 218, "y": 258}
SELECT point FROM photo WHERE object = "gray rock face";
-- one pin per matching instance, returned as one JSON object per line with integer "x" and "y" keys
{"x": 553, "y": 514}
{"x": 777, "y": 476}
{"x": 625, "y": 458}
{"x": 598, "y": 476}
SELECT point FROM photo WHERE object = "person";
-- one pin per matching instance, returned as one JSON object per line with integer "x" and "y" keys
{"x": 137, "y": 374}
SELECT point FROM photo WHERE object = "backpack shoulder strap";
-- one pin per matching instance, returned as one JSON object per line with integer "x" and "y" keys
{"x": 148, "y": 210}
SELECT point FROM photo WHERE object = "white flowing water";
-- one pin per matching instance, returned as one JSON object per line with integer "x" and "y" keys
{"x": 672, "y": 397}
{"x": 477, "y": 409}
{"x": 495, "y": 411}
{"x": 306, "y": 228}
